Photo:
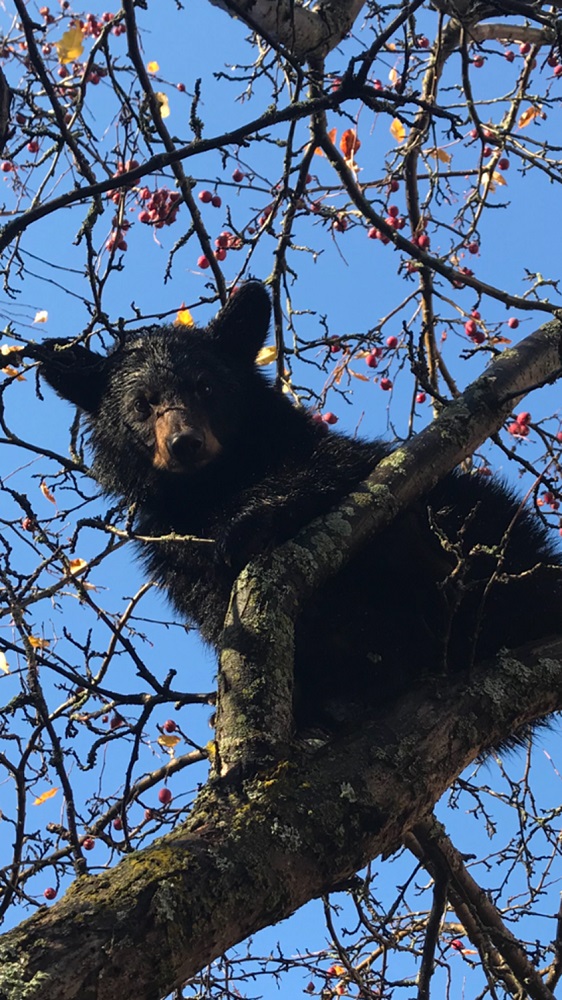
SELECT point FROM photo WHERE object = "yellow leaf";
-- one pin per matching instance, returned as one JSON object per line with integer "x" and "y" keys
{"x": 267, "y": 355}
{"x": 4, "y": 664}
{"x": 71, "y": 45}
{"x": 45, "y": 796}
{"x": 183, "y": 317}
{"x": 499, "y": 178}
{"x": 393, "y": 76}
{"x": 397, "y": 130}
{"x": 439, "y": 154}
{"x": 164, "y": 104}
{"x": 535, "y": 111}
{"x": 152, "y": 66}
{"x": 47, "y": 493}
{"x": 75, "y": 565}
{"x": 41, "y": 316}
{"x": 38, "y": 643}
{"x": 8, "y": 348}
{"x": 362, "y": 378}
{"x": 168, "y": 741}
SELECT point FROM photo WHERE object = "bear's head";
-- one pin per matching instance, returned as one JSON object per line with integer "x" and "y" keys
{"x": 168, "y": 400}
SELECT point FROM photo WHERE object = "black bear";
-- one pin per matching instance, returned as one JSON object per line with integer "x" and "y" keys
{"x": 185, "y": 425}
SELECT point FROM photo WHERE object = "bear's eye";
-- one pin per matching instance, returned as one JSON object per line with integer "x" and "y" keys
{"x": 142, "y": 407}
{"x": 203, "y": 386}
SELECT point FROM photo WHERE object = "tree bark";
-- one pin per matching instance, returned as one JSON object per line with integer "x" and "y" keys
{"x": 307, "y": 33}
{"x": 248, "y": 858}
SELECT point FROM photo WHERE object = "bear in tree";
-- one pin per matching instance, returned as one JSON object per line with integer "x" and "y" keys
{"x": 184, "y": 425}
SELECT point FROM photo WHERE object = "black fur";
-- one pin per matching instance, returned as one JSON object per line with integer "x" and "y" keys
{"x": 183, "y": 423}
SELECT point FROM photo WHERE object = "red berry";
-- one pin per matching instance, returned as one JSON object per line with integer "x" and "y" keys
{"x": 88, "y": 844}
{"x": 205, "y": 196}
{"x": 7, "y": 165}
{"x": 216, "y": 201}
{"x": 486, "y": 151}
{"x": 457, "y": 944}
{"x": 422, "y": 42}
{"x": 392, "y": 342}
{"x": 50, "y": 893}
{"x": 559, "y": 435}
{"x": 237, "y": 175}
{"x": 478, "y": 61}
{"x": 523, "y": 418}
{"x": 473, "y": 247}
{"x": 372, "y": 360}
{"x": 116, "y": 721}
{"x": 475, "y": 314}
{"x": 329, "y": 418}
{"x": 373, "y": 233}
{"x": 340, "y": 224}
{"x": 117, "y": 823}
{"x": 423, "y": 241}
{"x": 393, "y": 185}
{"x": 470, "y": 327}
{"x": 33, "y": 146}
{"x": 165, "y": 796}
{"x": 144, "y": 216}
{"x": 202, "y": 262}
{"x": 220, "y": 254}
{"x": 28, "y": 524}
{"x": 558, "y": 70}
{"x": 421, "y": 397}
{"x": 524, "y": 48}
{"x": 385, "y": 384}
{"x": 503, "y": 164}
{"x": 509, "y": 55}
{"x": 513, "y": 322}
{"x": 180, "y": 87}
{"x": 169, "y": 726}
{"x": 393, "y": 211}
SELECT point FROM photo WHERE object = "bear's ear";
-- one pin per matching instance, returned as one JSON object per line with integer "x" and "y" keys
{"x": 75, "y": 373}
{"x": 242, "y": 324}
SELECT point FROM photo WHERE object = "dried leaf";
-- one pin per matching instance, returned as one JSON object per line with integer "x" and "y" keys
{"x": 45, "y": 796}
{"x": 332, "y": 137}
{"x": 38, "y": 643}
{"x": 535, "y": 111}
{"x": 12, "y": 373}
{"x": 394, "y": 76}
{"x": 267, "y": 355}
{"x": 47, "y": 493}
{"x": 4, "y": 664}
{"x": 75, "y": 565}
{"x": 183, "y": 317}
{"x": 362, "y": 378}
{"x": 71, "y": 45}
{"x": 439, "y": 154}
{"x": 41, "y": 316}
{"x": 152, "y": 66}
{"x": 164, "y": 104}
{"x": 168, "y": 741}
{"x": 349, "y": 144}
{"x": 397, "y": 130}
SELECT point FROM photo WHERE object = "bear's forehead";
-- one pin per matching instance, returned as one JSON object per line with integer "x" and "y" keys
{"x": 170, "y": 351}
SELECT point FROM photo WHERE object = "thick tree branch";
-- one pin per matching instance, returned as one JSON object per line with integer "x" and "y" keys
{"x": 245, "y": 860}
{"x": 252, "y": 716}
{"x": 308, "y": 33}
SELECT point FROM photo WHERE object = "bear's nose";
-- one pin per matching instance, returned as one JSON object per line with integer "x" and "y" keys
{"x": 185, "y": 445}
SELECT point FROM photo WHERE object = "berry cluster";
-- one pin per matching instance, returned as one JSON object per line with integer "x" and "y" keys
{"x": 160, "y": 206}
{"x": 520, "y": 426}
